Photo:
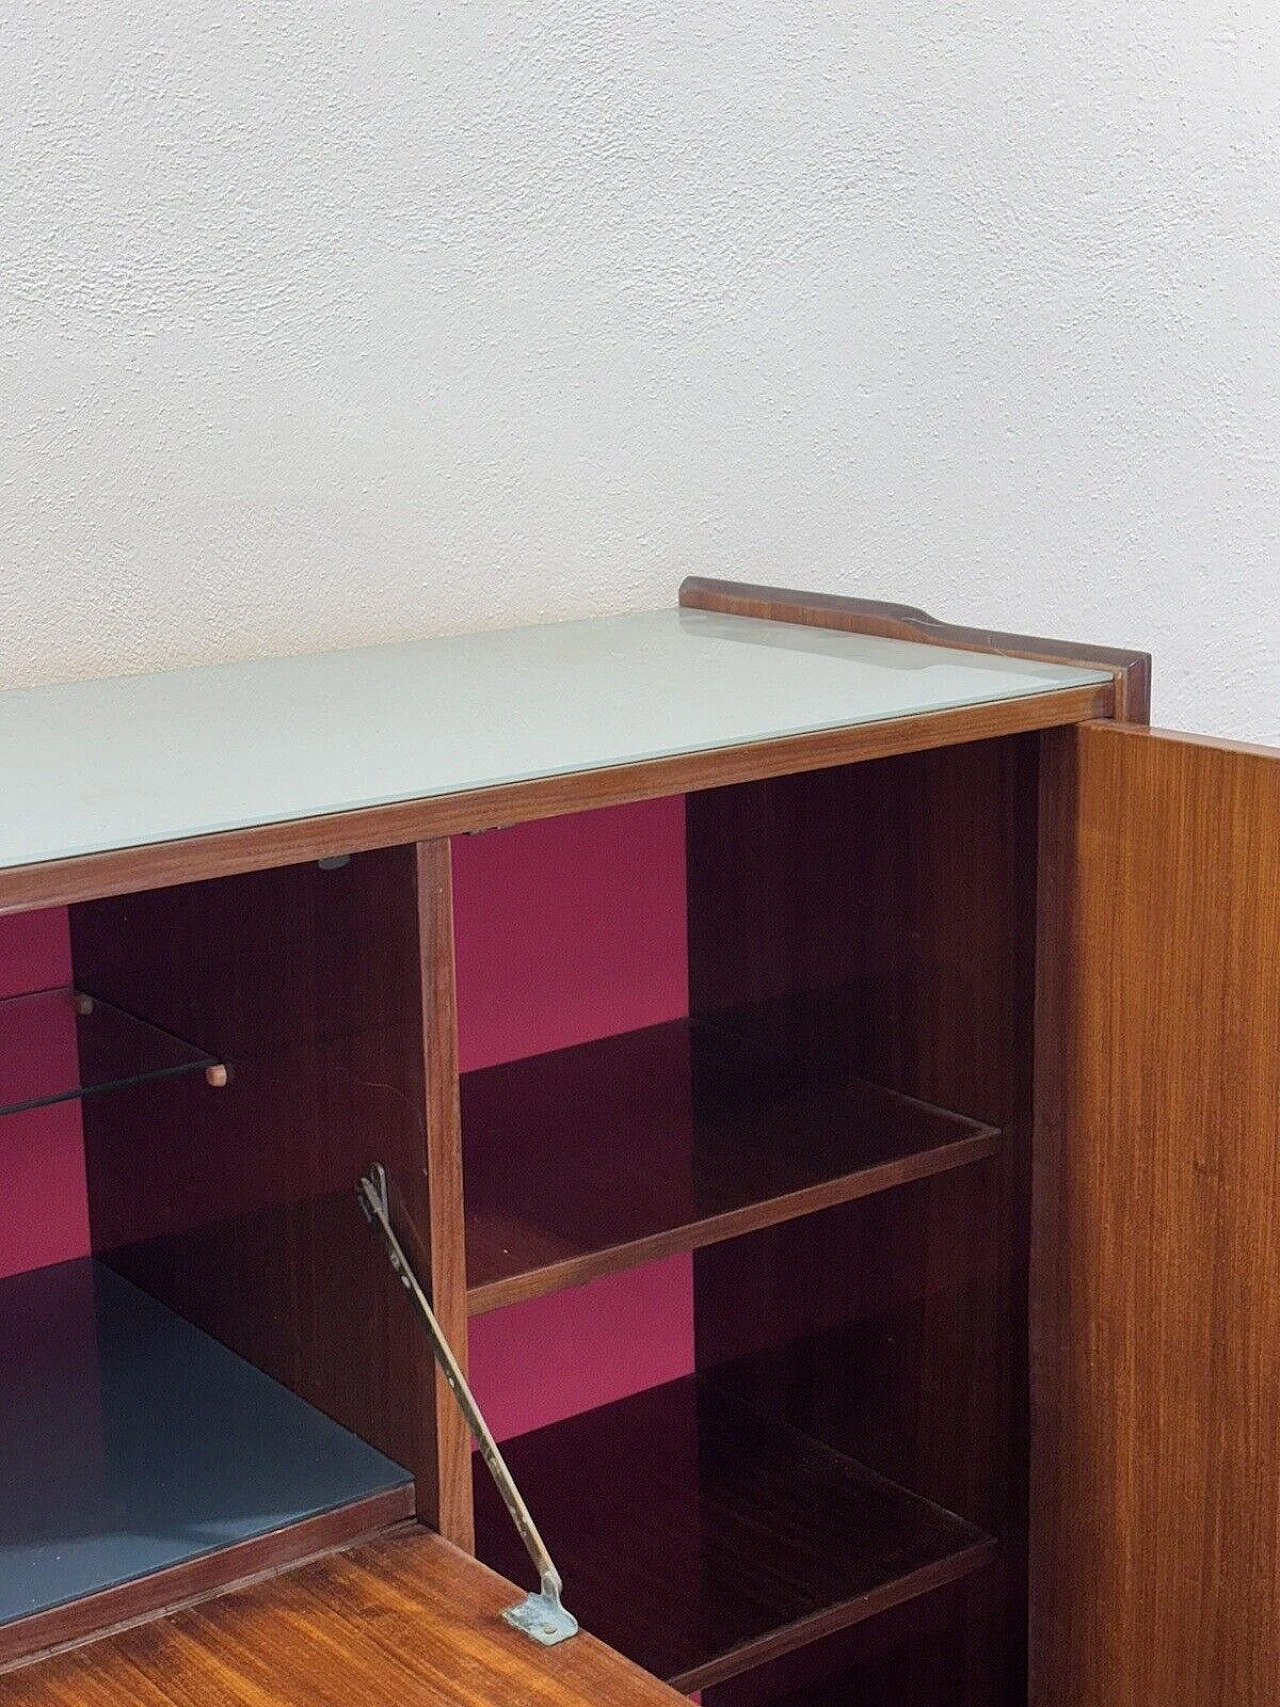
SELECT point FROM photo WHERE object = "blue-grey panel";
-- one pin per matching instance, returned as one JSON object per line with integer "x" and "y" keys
{"x": 131, "y": 1441}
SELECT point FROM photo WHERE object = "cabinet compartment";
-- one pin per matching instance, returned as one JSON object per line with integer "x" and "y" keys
{"x": 885, "y": 915}
{"x": 239, "y": 1381}
{"x": 135, "y": 1444}
{"x": 837, "y": 1130}
{"x": 700, "y": 1535}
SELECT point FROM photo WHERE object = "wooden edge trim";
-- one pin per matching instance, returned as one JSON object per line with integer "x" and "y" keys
{"x": 805, "y": 1631}
{"x": 1056, "y": 1067}
{"x": 1220, "y": 743}
{"x": 27, "y": 1640}
{"x": 1131, "y": 671}
{"x": 60, "y": 883}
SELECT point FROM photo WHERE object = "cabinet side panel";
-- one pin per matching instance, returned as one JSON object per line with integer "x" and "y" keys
{"x": 880, "y": 921}
{"x": 237, "y": 1207}
{"x": 1157, "y": 1227}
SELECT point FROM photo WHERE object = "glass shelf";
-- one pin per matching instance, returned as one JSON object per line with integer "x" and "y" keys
{"x": 57, "y": 1045}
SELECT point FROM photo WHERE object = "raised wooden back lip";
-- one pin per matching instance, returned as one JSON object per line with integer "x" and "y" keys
{"x": 1131, "y": 670}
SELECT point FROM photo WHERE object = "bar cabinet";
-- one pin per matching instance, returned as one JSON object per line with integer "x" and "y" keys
{"x": 824, "y": 1066}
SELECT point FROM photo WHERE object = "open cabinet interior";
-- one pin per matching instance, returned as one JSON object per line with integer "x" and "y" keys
{"x": 745, "y": 1117}
{"x": 227, "y": 1379}
{"x": 679, "y": 969}
{"x": 708, "y": 1114}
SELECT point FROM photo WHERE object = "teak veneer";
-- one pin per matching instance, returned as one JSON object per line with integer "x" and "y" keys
{"x": 703, "y": 1537}
{"x": 1156, "y": 1556}
{"x": 404, "y": 1621}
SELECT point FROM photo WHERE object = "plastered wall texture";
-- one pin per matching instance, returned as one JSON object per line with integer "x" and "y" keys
{"x": 325, "y": 323}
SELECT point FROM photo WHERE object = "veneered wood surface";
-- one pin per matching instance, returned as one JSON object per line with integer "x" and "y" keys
{"x": 1156, "y": 1513}
{"x": 406, "y": 1621}
{"x": 59, "y": 882}
{"x": 445, "y": 1255}
{"x": 701, "y": 1537}
{"x": 1131, "y": 670}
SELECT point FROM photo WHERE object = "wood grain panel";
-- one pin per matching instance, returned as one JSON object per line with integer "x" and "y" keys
{"x": 1157, "y": 1230}
{"x": 237, "y": 1207}
{"x": 445, "y": 1254}
{"x": 1131, "y": 670}
{"x": 702, "y": 1537}
{"x": 61, "y": 882}
{"x": 406, "y": 1621}
{"x": 588, "y": 1160}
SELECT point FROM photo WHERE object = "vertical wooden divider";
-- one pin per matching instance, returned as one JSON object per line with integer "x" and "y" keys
{"x": 448, "y": 1274}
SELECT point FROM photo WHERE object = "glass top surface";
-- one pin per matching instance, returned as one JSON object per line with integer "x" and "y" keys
{"x": 133, "y": 760}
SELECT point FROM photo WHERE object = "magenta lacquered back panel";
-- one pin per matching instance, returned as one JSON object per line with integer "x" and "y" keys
{"x": 44, "y": 1215}
{"x": 570, "y": 929}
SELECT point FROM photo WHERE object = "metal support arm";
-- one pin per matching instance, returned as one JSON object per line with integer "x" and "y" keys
{"x": 541, "y": 1616}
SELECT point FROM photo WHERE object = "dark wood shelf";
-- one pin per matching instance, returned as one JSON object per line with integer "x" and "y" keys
{"x": 700, "y": 1538}
{"x": 588, "y": 1160}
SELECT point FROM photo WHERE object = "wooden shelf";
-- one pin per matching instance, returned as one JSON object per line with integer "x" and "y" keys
{"x": 143, "y": 1461}
{"x": 700, "y": 1538}
{"x": 589, "y": 1160}
{"x": 60, "y": 1044}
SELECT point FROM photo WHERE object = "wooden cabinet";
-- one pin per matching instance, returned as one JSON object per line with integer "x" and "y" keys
{"x": 834, "y": 1098}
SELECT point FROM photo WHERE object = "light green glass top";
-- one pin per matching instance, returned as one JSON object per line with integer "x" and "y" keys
{"x": 91, "y": 766}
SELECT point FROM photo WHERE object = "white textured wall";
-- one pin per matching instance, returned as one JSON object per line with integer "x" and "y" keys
{"x": 334, "y": 321}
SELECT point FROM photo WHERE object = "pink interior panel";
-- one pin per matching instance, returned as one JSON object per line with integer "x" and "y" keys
{"x": 570, "y": 929}
{"x": 535, "y": 1363}
{"x": 44, "y": 1211}
{"x": 35, "y": 951}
